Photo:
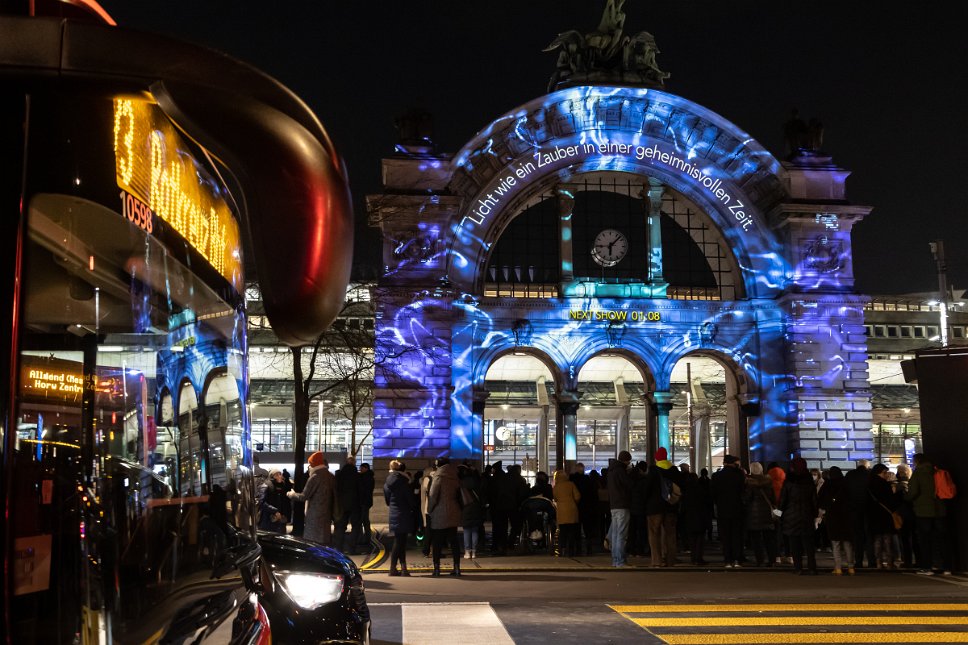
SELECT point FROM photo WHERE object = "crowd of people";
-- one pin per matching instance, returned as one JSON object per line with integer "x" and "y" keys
{"x": 326, "y": 507}
{"x": 868, "y": 516}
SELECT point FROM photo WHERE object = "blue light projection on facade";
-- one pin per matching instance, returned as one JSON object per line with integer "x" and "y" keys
{"x": 791, "y": 341}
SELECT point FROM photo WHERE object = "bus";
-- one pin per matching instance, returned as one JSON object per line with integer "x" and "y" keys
{"x": 142, "y": 177}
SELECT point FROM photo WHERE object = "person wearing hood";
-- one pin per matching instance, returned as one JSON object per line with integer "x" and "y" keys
{"x": 275, "y": 509}
{"x": 444, "y": 506}
{"x": 661, "y": 515}
{"x": 760, "y": 520}
{"x": 320, "y": 497}
{"x": 619, "y": 484}
{"x": 727, "y": 491}
{"x": 798, "y": 505}
{"x": 566, "y": 497}
{"x": 403, "y": 514}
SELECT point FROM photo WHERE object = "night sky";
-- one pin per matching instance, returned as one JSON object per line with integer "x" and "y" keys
{"x": 889, "y": 86}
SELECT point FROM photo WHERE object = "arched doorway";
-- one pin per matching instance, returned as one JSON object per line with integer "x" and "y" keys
{"x": 519, "y": 415}
{"x": 613, "y": 415}
{"x": 699, "y": 422}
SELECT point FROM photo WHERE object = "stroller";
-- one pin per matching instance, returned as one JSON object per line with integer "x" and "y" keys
{"x": 539, "y": 524}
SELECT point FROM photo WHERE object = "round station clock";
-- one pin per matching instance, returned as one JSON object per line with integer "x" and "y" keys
{"x": 610, "y": 247}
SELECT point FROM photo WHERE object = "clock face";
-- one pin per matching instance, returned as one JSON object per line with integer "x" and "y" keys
{"x": 610, "y": 247}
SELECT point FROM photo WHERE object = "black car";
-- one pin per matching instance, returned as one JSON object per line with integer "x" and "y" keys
{"x": 319, "y": 594}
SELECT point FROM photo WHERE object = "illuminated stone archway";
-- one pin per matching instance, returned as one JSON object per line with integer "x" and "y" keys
{"x": 793, "y": 334}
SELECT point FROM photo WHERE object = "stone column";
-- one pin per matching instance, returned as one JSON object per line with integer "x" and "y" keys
{"x": 566, "y": 205}
{"x": 653, "y": 203}
{"x": 623, "y": 427}
{"x": 566, "y": 432}
{"x": 663, "y": 405}
{"x": 542, "y": 438}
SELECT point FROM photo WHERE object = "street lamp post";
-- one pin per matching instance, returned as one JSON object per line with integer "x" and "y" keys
{"x": 937, "y": 250}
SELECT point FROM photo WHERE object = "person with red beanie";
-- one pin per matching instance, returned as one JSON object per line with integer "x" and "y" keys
{"x": 320, "y": 493}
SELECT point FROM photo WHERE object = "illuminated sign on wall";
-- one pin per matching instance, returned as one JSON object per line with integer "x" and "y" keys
{"x": 614, "y": 315}
{"x": 51, "y": 380}
{"x": 160, "y": 178}
{"x": 603, "y": 154}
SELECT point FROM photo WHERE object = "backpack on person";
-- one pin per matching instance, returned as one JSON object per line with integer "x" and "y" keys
{"x": 670, "y": 491}
{"x": 944, "y": 485}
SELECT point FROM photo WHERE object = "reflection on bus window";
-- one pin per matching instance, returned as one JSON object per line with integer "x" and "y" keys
{"x": 131, "y": 484}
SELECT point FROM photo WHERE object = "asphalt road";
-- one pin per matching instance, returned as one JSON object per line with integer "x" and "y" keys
{"x": 679, "y": 608}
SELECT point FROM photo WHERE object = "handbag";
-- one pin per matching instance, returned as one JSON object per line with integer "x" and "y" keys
{"x": 773, "y": 513}
{"x": 898, "y": 520}
{"x": 896, "y": 517}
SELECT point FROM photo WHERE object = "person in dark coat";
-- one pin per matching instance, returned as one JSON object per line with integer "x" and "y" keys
{"x": 798, "y": 505}
{"x": 521, "y": 492}
{"x": 906, "y": 532}
{"x": 444, "y": 505}
{"x": 697, "y": 513}
{"x": 639, "y": 527}
{"x": 403, "y": 514}
{"x": 834, "y": 502}
{"x": 760, "y": 520}
{"x": 319, "y": 494}
{"x": 348, "y": 497}
{"x": 857, "y": 482}
{"x": 366, "y": 483}
{"x": 880, "y": 521}
{"x": 472, "y": 513}
{"x": 934, "y": 550}
{"x": 587, "y": 509}
{"x": 542, "y": 486}
{"x": 275, "y": 509}
{"x": 502, "y": 500}
{"x": 727, "y": 490}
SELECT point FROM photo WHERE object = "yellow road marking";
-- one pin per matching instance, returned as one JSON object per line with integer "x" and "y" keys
{"x": 678, "y": 609}
{"x": 829, "y": 637}
{"x": 767, "y": 621}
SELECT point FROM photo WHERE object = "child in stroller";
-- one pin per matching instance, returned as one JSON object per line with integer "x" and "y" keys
{"x": 539, "y": 523}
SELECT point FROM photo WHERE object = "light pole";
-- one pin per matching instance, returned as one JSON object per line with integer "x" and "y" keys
{"x": 320, "y": 444}
{"x": 937, "y": 250}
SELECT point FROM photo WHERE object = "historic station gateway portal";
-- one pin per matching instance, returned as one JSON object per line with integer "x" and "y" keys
{"x": 612, "y": 266}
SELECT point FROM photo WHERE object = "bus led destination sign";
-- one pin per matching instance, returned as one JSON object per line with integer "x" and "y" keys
{"x": 159, "y": 177}
{"x": 615, "y": 315}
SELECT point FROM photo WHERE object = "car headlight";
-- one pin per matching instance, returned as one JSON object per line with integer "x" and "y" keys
{"x": 311, "y": 590}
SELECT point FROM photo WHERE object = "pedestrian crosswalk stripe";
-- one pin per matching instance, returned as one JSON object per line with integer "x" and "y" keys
{"x": 679, "y": 609}
{"x": 781, "y": 621}
{"x": 722, "y": 624}
{"x": 824, "y": 637}
{"x": 460, "y": 623}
